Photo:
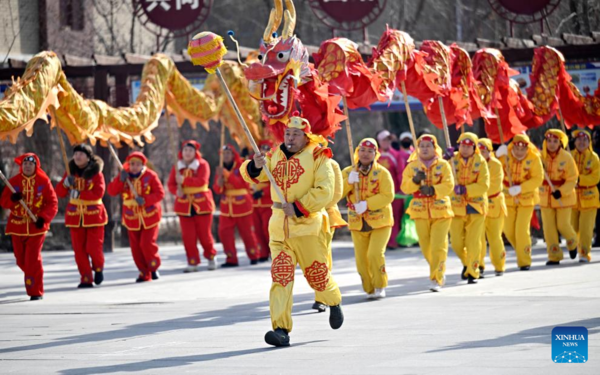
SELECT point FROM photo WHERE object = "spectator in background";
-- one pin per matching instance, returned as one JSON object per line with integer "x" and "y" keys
{"x": 596, "y": 148}
{"x": 389, "y": 159}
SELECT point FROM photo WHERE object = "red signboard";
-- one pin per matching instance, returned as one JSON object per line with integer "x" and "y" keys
{"x": 347, "y": 14}
{"x": 178, "y": 16}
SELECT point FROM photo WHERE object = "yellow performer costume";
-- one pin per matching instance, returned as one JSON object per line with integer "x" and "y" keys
{"x": 430, "y": 183}
{"x": 558, "y": 200}
{"x": 335, "y": 221}
{"x": 494, "y": 221}
{"x": 370, "y": 219}
{"x": 306, "y": 179}
{"x": 470, "y": 205}
{"x": 583, "y": 216}
{"x": 523, "y": 175}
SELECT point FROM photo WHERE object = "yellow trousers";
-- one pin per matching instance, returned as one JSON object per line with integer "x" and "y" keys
{"x": 311, "y": 253}
{"x": 433, "y": 240}
{"x": 465, "y": 237}
{"x": 555, "y": 220}
{"x": 583, "y": 223}
{"x": 493, "y": 232}
{"x": 329, "y": 255}
{"x": 517, "y": 229}
{"x": 369, "y": 251}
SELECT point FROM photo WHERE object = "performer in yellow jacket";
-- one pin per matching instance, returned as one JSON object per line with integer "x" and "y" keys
{"x": 523, "y": 175}
{"x": 299, "y": 229}
{"x": 428, "y": 178}
{"x": 557, "y": 195}
{"x": 583, "y": 216}
{"x": 494, "y": 221}
{"x": 335, "y": 221}
{"x": 470, "y": 205}
{"x": 370, "y": 215}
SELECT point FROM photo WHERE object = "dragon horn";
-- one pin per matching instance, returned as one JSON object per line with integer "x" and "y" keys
{"x": 290, "y": 20}
{"x": 274, "y": 21}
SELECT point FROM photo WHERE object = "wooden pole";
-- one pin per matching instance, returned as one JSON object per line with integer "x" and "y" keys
{"x": 501, "y": 132}
{"x": 409, "y": 113}
{"x": 351, "y": 148}
{"x": 120, "y": 165}
{"x": 22, "y": 202}
{"x": 249, "y": 135}
{"x": 446, "y": 132}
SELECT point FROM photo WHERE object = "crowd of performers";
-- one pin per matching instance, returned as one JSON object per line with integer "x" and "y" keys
{"x": 471, "y": 195}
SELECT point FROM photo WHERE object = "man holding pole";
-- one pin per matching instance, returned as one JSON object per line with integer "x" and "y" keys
{"x": 470, "y": 205}
{"x": 299, "y": 228}
{"x": 85, "y": 214}
{"x": 557, "y": 195}
{"x": 142, "y": 194}
{"x": 32, "y": 202}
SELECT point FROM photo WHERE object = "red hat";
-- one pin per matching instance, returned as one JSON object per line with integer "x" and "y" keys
{"x": 190, "y": 143}
{"x": 30, "y": 156}
{"x": 137, "y": 155}
{"x": 368, "y": 143}
{"x": 467, "y": 142}
{"x": 236, "y": 156}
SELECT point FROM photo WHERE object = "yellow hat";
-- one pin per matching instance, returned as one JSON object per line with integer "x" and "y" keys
{"x": 578, "y": 133}
{"x": 523, "y": 139}
{"x": 485, "y": 142}
{"x": 426, "y": 138}
{"x": 470, "y": 139}
{"x": 367, "y": 143}
{"x": 555, "y": 133}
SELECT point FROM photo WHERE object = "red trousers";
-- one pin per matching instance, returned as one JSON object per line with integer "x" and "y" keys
{"x": 87, "y": 244}
{"x": 197, "y": 228}
{"x": 397, "y": 211}
{"x": 244, "y": 225}
{"x": 28, "y": 253}
{"x": 261, "y": 217}
{"x": 145, "y": 250}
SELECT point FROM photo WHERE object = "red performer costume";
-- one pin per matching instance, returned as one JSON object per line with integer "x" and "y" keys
{"x": 389, "y": 159}
{"x": 194, "y": 205}
{"x": 33, "y": 186}
{"x": 261, "y": 194}
{"x": 85, "y": 214}
{"x": 141, "y": 214}
{"x": 236, "y": 209}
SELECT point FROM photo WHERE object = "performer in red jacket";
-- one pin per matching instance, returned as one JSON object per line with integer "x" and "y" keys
{"x": 261, "y": 202}
{"x": 236, "y": 208}
{"x": 85, "y": 214}
{"x": 32, "y": 186}
{"x": 141, "y": 212}
{"x": 194, "y": 204}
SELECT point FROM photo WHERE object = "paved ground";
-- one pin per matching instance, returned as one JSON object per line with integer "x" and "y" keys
{"x": 214, "y": 322}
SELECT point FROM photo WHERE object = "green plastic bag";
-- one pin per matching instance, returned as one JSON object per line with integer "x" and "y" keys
{"x": 408, "y": 234}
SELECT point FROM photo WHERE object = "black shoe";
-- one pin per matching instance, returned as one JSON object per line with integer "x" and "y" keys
{"x": 98, "y": 278}
{"x": 141, "y": 280}
{"x": 552, "y": 263}
{"x": 263, "y": 259}
{"x": 336, "y": 317}
{"x": 320, "y": 307}
{"x": 573, "y": 254}
{"x": 525, "y": 268}
{"x": 155, "y": 275}
{"x": 481, "y": 272}
{"x": 36, "y": 298}
{"x": 228, "y": 265}
{"x": 254, "y": 261}
{"x": 278, "y": 338}
{"x": 85, "y": 285}
{"x": 471, "y": 280}
{"x": 462, "y": 275}
{"x": 499, "y": 273}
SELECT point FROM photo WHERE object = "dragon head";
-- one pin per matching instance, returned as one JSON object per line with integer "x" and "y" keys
{"x": 281, "y": 67}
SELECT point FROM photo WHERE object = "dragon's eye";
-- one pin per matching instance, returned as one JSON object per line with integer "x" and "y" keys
{"x": 283, "y": 56}
{"x": 260, "y": 57}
